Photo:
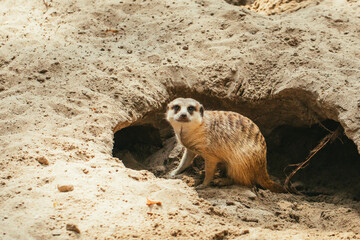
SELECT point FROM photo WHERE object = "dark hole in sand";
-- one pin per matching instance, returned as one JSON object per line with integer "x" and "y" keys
{"x": 333, "y": 170}
{"x": 135, "y": 143}
{"x": 240, "y": 2}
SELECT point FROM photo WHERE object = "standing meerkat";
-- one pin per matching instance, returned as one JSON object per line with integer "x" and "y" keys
{"x": 220, "y": 137}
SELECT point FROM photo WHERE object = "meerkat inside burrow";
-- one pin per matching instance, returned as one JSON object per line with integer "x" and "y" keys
{"x": 220, "y": 137}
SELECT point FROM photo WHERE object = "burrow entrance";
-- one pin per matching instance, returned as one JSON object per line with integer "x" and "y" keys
{"x": 333, "y": 170}
{"x": 240, "y": 2}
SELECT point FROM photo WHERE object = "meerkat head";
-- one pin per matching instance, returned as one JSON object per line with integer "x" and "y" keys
{"x": 184, "y": 111}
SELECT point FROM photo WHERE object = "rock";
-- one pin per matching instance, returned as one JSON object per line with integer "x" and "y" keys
{"x": 158, "y": 170}
{"x": 65, "y": 188}
{"x": 72, "y": 227}
{"x": 190, "y": 181}
{"x": 176, "y": 152}
{"x": 246, "y": 231}
{"x": 252, "y": 197}
{"x": 246, "y": 219}
{"x": 56, "y": 233}
{"x": 42, "y": 160}
{"x": 221, "y": 235}
{"x": 295, "y": 217}
{"x": 247, "y": 193}
{"x": 129, "y": 160}
{"x": 161, "y": 156}
{"x": 230, "y": 203}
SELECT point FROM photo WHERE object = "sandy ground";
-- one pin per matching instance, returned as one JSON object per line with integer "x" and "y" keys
{"x": 71, "y": 72}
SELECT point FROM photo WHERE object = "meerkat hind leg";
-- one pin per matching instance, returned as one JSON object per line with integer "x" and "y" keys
{"x": 185, "y": 162}
{"x": 210, "y": 167}
{"x": 221, "y": 182}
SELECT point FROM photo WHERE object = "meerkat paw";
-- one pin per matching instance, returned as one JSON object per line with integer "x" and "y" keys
{"x": 201, "y": 186}
{"x": 173, "y": 173}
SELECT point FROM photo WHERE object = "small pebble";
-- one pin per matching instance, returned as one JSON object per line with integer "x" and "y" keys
{"x": 42, "y": 160}
{"x": 65, "y": 188}
{"x": 56, "y": 233}
{"x": 245, "y": 219}
{"x": 230, "y": 203}
{"x": 252, "y": 197}
{"x": 72, "y": 227}
{"x": 246, "y": 231}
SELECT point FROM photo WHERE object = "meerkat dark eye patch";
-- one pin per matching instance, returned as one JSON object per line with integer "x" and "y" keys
{"x": 191, "y": 109}
{"x": 176, "y": 108}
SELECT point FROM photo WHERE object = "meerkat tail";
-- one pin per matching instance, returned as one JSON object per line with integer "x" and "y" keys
{"x": 265, "y": 182}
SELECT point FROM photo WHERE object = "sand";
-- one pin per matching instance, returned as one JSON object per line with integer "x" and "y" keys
{"x": 74, "y": 72}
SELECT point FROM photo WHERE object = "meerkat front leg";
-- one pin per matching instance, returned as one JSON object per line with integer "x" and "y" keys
{"x": 185, "y": 162}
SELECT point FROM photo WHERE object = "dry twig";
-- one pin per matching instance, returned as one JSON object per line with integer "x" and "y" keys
{"x": 111, "y": 31}
{"x": 330, "y": 137}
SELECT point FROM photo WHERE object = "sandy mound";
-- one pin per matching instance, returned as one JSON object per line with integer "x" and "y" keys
{"x": 74, "y": 72}
{"x": 271, "y": 7}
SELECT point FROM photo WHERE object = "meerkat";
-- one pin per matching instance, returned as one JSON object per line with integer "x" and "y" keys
{"x": 220, "y": 137}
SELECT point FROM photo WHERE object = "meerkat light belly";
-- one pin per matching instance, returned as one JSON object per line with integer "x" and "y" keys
{"x": 220, "y": 137}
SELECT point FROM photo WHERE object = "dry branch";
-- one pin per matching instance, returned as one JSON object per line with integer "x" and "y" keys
{"x": 330, "y": 137}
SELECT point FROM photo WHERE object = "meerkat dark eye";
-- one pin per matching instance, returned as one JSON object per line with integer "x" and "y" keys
{"x": 191, "y": 109}
{"x": 176, "y": 108}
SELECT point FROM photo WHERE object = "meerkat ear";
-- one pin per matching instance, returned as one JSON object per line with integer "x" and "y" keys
{"x": 201, "y": 110}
